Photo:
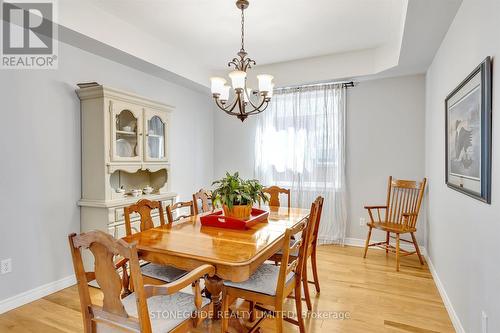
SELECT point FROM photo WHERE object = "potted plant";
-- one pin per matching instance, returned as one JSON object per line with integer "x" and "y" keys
{"x": 237, "y": 196}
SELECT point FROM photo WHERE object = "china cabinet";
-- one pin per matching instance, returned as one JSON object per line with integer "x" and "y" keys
{"x": 125, "y": 140}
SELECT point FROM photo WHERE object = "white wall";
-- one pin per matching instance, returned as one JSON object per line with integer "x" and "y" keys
{"x": 40, "y": 165}
{"x": 463, "y": 233}
{"x": 385, "y": 129}
{"x": 234, "y": 144}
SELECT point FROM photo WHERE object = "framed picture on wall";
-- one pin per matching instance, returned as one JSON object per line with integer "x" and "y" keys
{"x": 468, "y": 134}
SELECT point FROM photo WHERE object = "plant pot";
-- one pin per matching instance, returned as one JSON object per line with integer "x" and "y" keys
{"x": 242, "y": 212}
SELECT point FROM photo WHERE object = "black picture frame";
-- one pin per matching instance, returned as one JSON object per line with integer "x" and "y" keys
{"x": 468, "y": 114}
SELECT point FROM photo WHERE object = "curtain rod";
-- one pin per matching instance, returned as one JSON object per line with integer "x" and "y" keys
{"x": 345, "y": 84}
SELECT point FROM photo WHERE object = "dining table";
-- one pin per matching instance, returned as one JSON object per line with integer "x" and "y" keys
{"x": 235, "y": 254}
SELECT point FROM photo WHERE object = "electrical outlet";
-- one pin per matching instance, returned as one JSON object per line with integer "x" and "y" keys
{"x": 6, "y": 266}
{"x": 484, "y": 322}
{"x": 362, "y": 221}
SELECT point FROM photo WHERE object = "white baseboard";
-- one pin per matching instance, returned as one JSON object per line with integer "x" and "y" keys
{"x": 36, "y": 293}
{"x": 361, "y": 243}
{"x": 446, "y": 300}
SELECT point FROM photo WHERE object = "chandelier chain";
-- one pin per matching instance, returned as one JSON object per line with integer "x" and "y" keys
{"x": 242, "y": 29}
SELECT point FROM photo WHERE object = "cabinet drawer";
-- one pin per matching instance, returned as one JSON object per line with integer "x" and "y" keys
{"x": 119, "y": 231}
{"x": 120, "y": 215}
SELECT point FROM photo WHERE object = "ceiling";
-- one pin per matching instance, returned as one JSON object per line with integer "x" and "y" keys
{"x": 298, "y": 41}
{"x": 276, "y": 31}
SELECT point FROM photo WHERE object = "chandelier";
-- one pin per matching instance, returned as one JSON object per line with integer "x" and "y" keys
{"x": 246, "y": 100}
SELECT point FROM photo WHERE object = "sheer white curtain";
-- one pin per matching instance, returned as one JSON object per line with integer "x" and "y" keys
{"x": 300, "y": 144}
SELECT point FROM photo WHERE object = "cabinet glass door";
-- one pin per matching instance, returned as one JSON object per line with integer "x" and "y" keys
{"x": 156, "y": 130}
{"x": 126, "y": 134}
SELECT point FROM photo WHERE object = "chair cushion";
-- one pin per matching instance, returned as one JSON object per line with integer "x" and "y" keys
{"x": 264, "y": 280}
{"x": 166, "y": 312}
{"x": 161, "y": 272}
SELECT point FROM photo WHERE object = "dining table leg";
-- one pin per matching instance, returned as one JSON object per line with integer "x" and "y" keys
{"x": 214, "y": 287}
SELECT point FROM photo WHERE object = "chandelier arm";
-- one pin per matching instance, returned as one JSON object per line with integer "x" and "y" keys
{"x": 254, "y": 112}
{"x": 264, "y": 101}
{"x": 241, "y": 104}
{"x": 236, "y": 102}
{"x": 249, "y": 100}
{"x": 228, "y": 110}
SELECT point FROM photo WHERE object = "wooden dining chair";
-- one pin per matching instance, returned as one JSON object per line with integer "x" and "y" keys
{"x": 313, "y": 226}
{"x": 202, "y": 201}
{"x": 179, "y": 206}
{"x": 316, "y": 211}
{"x": 153, "y": 273}
{"x": 274, "y": 193}
{"x": 404, "y": 198}
{"x": 270, "y": 285}
{"x": 147, "y": 309}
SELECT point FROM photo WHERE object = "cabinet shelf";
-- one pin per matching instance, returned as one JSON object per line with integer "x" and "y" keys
{"x": 126, "y": 133}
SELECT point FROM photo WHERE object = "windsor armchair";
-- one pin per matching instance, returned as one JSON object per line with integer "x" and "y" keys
{"x": 400, "y": 216}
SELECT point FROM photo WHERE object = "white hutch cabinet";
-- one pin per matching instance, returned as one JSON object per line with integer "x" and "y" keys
{"x": 125, "y": 141}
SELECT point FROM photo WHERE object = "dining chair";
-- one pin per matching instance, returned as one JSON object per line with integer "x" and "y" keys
{"x": 153, "y": 273}
{"x": 404, "y": 198}
{"x": 274, "y": 193}
{"x": 148, "y": 309}
{"x": 179, "y": 207}
{"x": 202, "y": 201}
{"x": 271, "y": 285}
{"x": 314, "y": 221}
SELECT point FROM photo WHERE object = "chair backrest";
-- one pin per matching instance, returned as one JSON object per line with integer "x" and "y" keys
{"x": 144, "y": 208}
{"x": 105, "y": 249}
{"x": 317, "y": 209}
{"x": 404, "y": 197}
{"x": 295, "y": 265}
{"x": 202, "y": 201}
{"x": 274, "y": 192}
{"x": 176, "y": 206}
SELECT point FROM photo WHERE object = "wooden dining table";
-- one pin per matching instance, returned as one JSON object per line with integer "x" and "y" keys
{"x": 236, "y": 254}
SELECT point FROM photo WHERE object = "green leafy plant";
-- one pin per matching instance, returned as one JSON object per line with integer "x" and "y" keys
{"x": 232, "y": 190}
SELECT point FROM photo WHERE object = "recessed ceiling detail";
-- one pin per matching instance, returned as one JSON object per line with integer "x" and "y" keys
{"x": 334, "y": 38}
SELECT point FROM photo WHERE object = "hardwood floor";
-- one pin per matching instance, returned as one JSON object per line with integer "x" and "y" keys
{"x": 374, "y": 296}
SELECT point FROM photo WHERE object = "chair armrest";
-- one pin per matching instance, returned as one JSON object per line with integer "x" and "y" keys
{"x": 378, "y": 208}
{"x": 171, "y": 288}
{"x": 375, "y": 207}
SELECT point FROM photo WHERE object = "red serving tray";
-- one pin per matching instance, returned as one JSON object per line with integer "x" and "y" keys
{"x": 218, "y": 220}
